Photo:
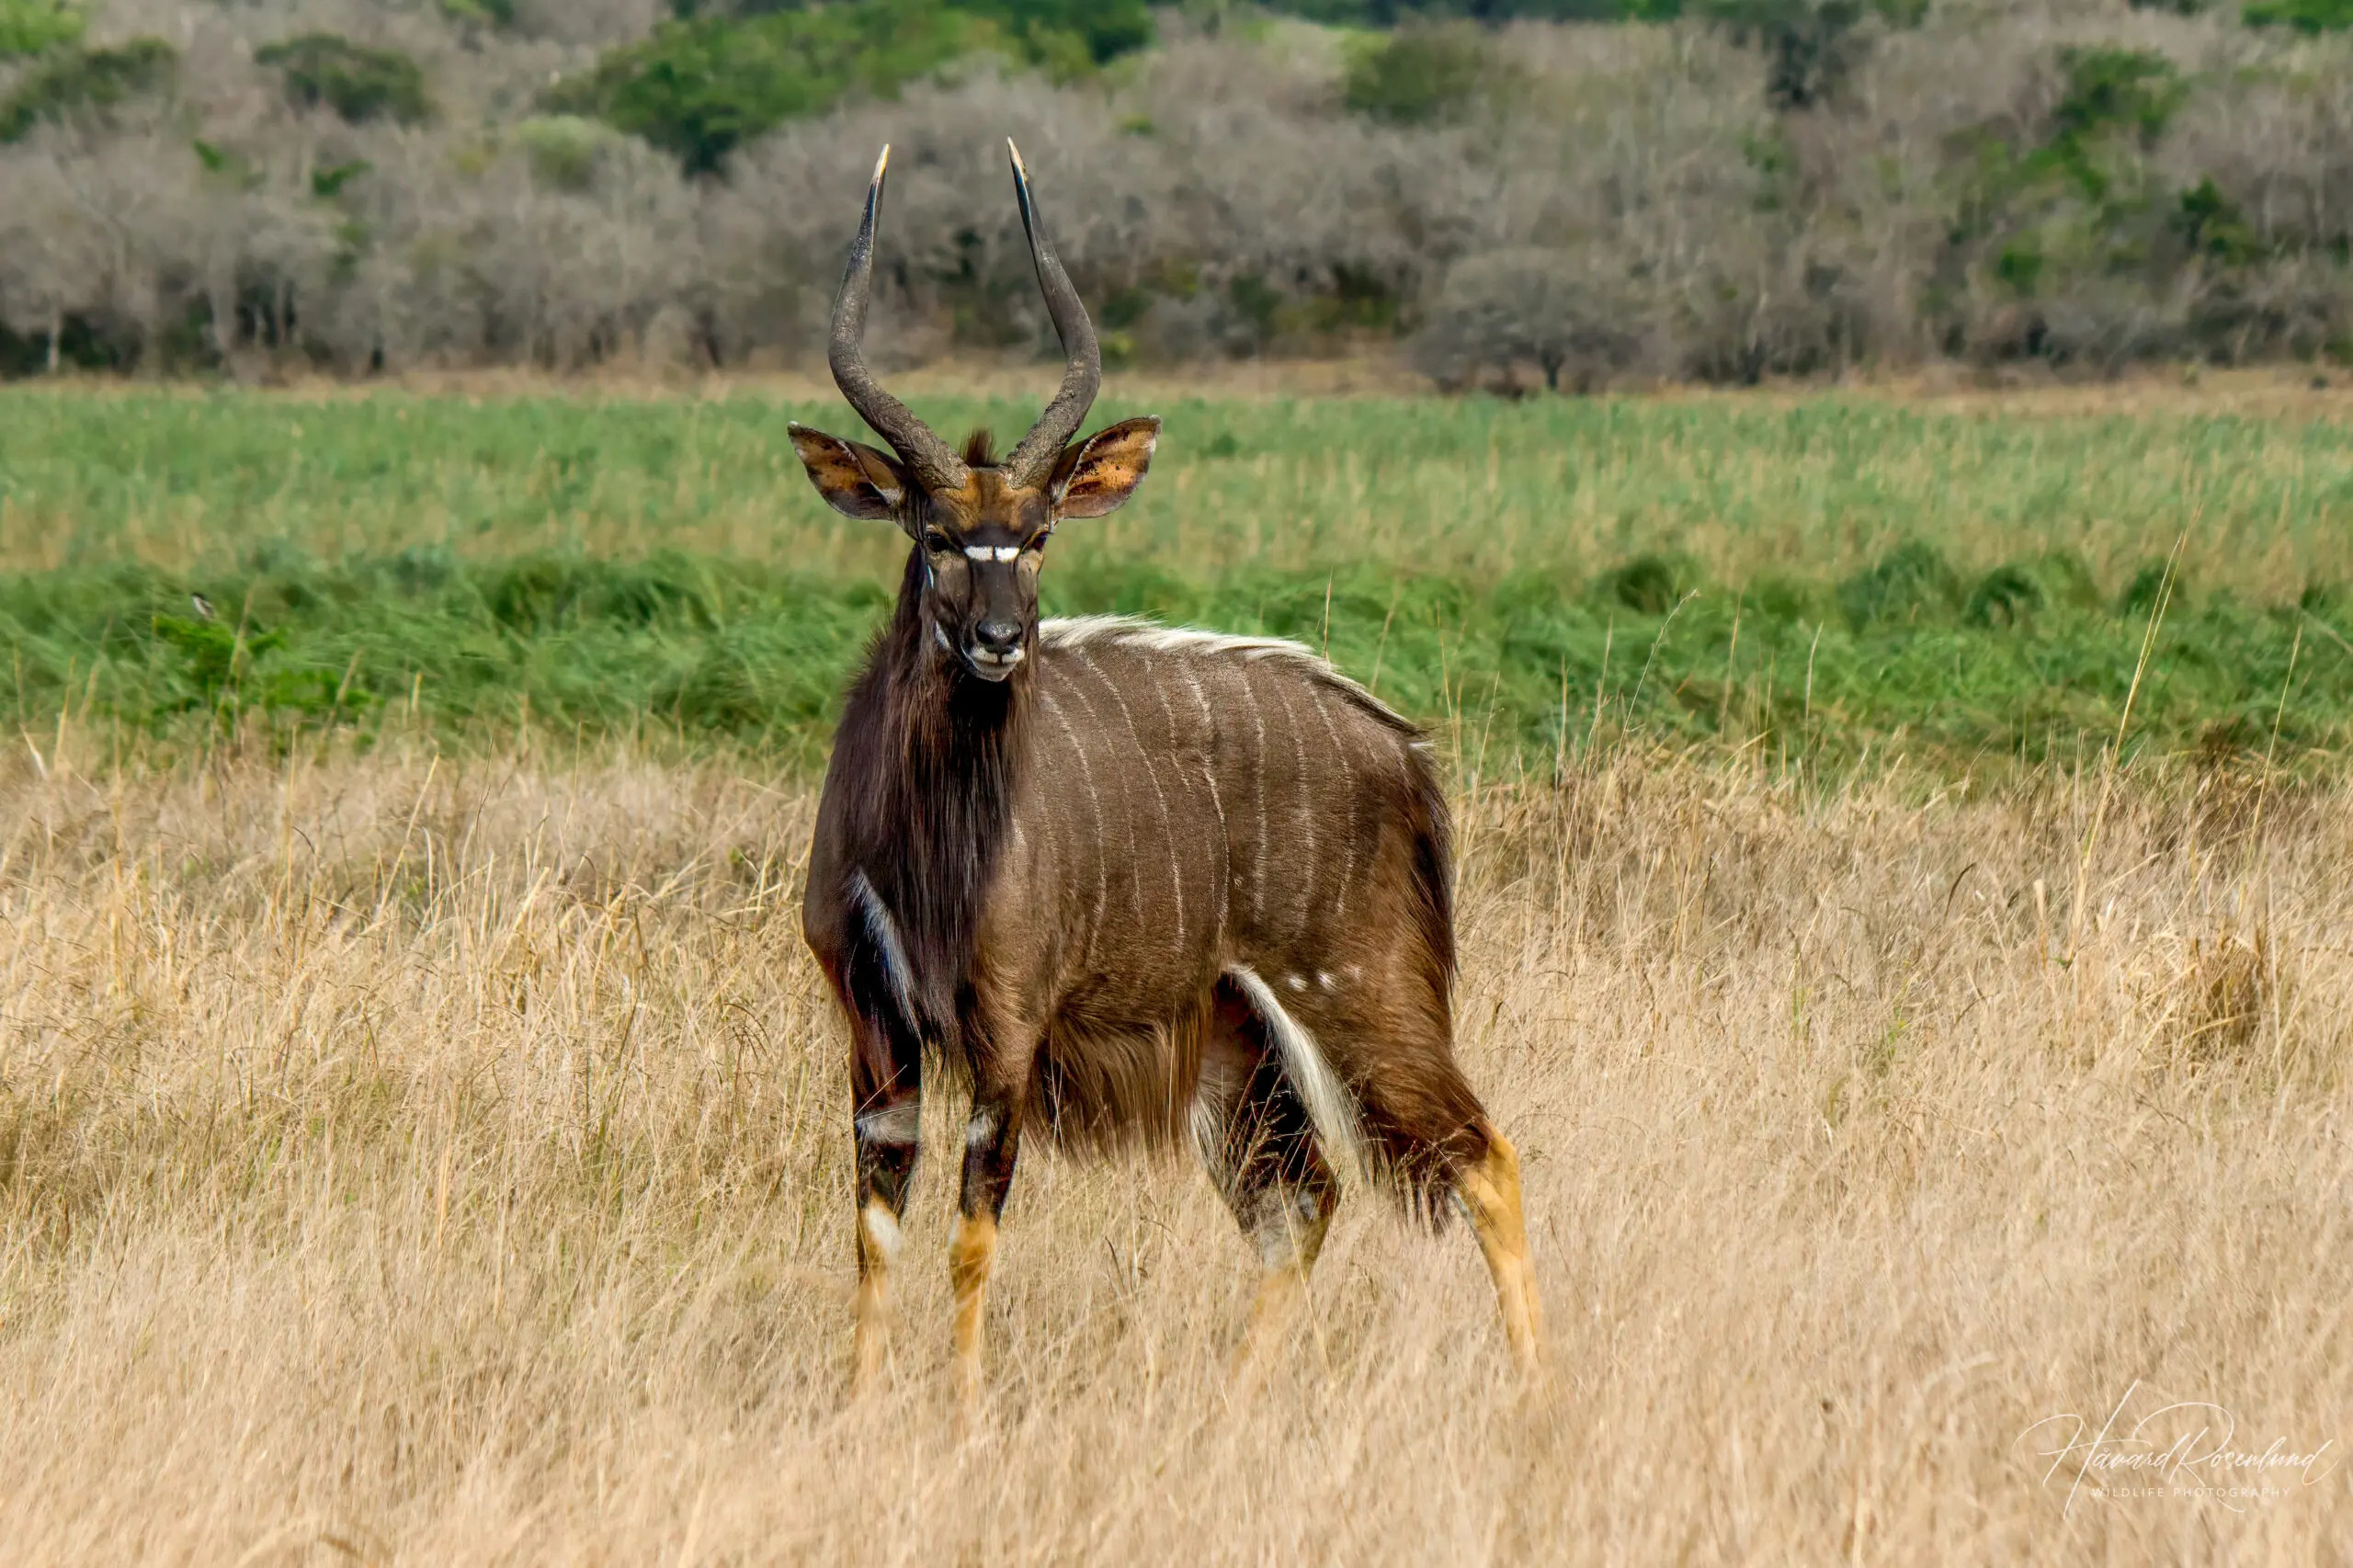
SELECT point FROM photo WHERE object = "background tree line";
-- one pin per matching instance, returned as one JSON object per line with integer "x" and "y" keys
{"x": 1524, "y": 192}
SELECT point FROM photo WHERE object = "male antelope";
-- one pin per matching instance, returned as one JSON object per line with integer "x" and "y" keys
{"x": 1125, "y": 880}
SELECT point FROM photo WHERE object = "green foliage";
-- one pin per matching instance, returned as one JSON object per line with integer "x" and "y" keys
{"x": 481, "y": 13}
{"x": 2309, "y": 16}
{"x": 2210, "y": 224}
{"x": 643, "y": 566}
{"x": 1391, "y": 12}
{"x": 1652, "y": 585}
{"x": 699, "y": 88}
{"x": 716, "y": 77}
{"x": 564, "y": 149}
{"x": 1046, "y": 31}
{"x": 2130, "y": 90}
{"x": 2013, "y": 592}
{"x": 29, "y": 27}
{"x": 229, "y": 168}
{"x": 327, "y": 182}
{"x": 2084, "y": 207}
{"x": 359, "y": 83}
{"x": 1909, "y": 581}
{"x": 76, "y": 80}
{"x": 1421, "y": 76}
{"x": 718, "y": 647}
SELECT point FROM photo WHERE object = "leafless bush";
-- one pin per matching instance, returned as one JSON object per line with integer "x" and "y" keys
{"x": 1627, "y": 202}
{"x": 1572, "y": 313}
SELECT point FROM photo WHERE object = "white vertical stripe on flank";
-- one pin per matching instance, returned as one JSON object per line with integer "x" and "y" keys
{"x": 1095, "y": 806}
{"x": 1306, "y": 802}
{"x": 1175, "y": 865}
{"x": 1159, "y": 796}
{"x": 1224, "y": 882}
{"x": 1348, "y": 788}
{"x": 1258, "y": 801}
{"x": 1135, "y": 884}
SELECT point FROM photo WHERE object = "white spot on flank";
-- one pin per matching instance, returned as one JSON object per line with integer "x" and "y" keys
{"x": 882, "y": 1234}
{"x": 1297, "y": 983}
{"x": 1324, "y": 978}
{"x": 1329, "y": 1104}
{"x": 886, "y": 937}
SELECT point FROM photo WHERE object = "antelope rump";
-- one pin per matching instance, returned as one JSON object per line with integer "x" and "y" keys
{"x": 1125, "y": 882}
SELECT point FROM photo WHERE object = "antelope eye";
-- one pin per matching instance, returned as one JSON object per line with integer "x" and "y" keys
{"x": 936, "y": 542}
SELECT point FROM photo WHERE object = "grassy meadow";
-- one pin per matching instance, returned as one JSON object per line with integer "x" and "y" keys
{"x": 423, "y": 1133}
{"x": 1818, "y": 576}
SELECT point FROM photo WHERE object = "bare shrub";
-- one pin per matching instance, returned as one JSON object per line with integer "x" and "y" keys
{"x": 1617, "y": 198}
{"x": 1568, "y": 313}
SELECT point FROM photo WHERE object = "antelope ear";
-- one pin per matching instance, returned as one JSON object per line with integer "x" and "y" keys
{"x": 856, "y": 479}
{"x": 1098, "y": 474}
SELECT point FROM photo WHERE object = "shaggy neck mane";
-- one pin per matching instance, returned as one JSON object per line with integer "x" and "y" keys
{"x": 937, "y": 755}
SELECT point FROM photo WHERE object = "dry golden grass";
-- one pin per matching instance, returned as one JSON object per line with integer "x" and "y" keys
{"x": 436, "y": 1162}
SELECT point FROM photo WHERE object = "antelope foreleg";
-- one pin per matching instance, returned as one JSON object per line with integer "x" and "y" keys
{"x": 991, "y": 1140}
{"x": 887, "y": 1134}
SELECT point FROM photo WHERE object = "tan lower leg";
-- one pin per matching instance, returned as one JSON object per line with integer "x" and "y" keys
{"x": 968, "y": 1272}
{"x": 1491, "y": 1191}
{"x": 1288, "y": 1241}
{"x": 878, "y": 1246}
{"x": 1280, "y": 1291}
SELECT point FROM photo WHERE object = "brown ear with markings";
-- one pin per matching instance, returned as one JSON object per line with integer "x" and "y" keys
{"x": 1098, "y": 474}
{"x": 856, "y": 479}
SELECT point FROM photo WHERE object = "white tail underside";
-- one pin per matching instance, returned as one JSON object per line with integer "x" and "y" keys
{"x": 1329, "y": 1105}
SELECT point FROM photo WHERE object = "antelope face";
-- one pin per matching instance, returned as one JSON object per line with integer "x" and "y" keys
{"x": 982, "y": 564}
{"x": 983, "y": 542}
{"x": 980, "y": 525}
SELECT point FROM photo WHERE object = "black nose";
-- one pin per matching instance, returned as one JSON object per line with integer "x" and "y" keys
{"x": 998, "y": 636}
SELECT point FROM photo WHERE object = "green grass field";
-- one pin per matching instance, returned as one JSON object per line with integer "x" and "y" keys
{"x": 1817, "y": 577}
